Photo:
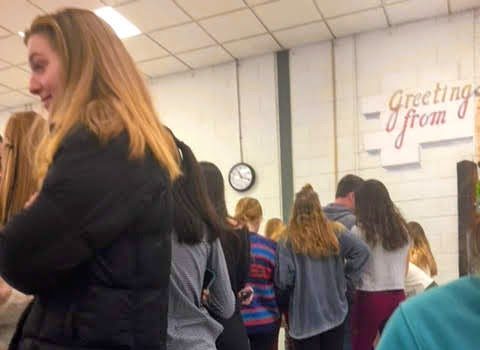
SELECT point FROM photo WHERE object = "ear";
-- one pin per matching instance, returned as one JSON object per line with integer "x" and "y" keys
{"x": 351, "y": 198}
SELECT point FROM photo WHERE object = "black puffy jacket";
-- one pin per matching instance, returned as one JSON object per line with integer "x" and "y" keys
{"x": 94, "y": 249}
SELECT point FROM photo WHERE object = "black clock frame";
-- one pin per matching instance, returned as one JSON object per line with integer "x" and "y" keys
{"x": 253, "y": 177}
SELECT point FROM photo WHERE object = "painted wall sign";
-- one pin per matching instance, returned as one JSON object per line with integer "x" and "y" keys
{"x": 410, "y": 118}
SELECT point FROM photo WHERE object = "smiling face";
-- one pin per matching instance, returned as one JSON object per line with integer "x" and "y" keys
{"x": 45, "y": 79}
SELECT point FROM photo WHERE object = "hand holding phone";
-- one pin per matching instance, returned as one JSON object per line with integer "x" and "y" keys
{"x": 208, "y": 278}
{"x": 245, "y": 296}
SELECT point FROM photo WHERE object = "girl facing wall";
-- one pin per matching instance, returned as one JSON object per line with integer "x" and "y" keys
{"x": 236, "y": 246}
{"x": 382, "y": 227}
{"x": 421, "y": 253}
{"x": 313, "y": 265}
{"x": 261, "y": 317}
{"x": 422, "y": 267}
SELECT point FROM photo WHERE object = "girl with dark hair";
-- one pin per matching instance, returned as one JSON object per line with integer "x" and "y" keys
{"x": 383, "y": 228}
{"x": 235, "y": 243}
{"x": 196, "y": 253}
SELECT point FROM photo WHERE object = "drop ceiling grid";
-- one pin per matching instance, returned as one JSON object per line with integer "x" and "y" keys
{"x": 284, "y": 31}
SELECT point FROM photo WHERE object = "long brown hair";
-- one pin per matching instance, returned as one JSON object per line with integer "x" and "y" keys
{"x": 420, "y": 253}
{"x": 378, "y": 217}
{"x": 309, "y": 232}
{"x": 23, "y": 133}
{"x": 102, "y": 89}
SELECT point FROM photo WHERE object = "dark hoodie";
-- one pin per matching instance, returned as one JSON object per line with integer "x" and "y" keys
{"x": 336, "y": 212}
{"x": 94, "y": 249}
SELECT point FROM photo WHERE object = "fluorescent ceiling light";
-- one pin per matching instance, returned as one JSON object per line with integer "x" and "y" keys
{"x": 22, "y": 34}
{"x": 122, "y": 26}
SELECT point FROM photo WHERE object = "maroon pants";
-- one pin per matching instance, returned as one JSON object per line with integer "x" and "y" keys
{"x": 370, "y": 313}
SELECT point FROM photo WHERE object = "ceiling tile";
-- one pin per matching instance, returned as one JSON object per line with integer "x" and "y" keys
{"x": 332, "y": 8}
{"x": 252, "y": 46}
{"x": 4, "y": 32}
{"x": 17, "y": 15}
{"x": 358, "y": 22}
{"x": 460, "y": 5}
{"x": 143, "y": 48}
{"x": 25, "y": 67}
{"x": 303, "y": 35}
{"x": 53, "y": 5}
{"x": 13, "y": 50}
{"x": 415, "y": 9}
{"x": 14, "y": 78}
{"x": 232, "y": 26}
{"x": 205, "y": 8}
{"x": 15, "y": 98}
{"x": 117, "y": 2}
{"x": 4, "y": 89}
{"x": 183, "y": 38}
{"x": 3, "y": 64}
{"x": 153, "y": 14}
{"x": 287, "y": 13}
{"x": 162, "y": 66}
{"x": 205, "y": 57}
{"x": 258, "y": 2}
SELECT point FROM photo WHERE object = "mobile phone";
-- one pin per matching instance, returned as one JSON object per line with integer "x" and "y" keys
{"x": 208, "y": 278}
{"x": 245, "y": 294}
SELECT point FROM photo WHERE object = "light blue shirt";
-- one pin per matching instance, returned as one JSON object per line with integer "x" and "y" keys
{"x": 446, "y": 317}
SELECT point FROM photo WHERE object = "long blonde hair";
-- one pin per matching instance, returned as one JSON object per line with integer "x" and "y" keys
{"x": 102, "y": 89}
{"x": 248, "y": 211}
{"x": 274, "y": 229}
{"x": 23, "y": 133}
{"x": 309, "y": 232}
{"x": 420, "y": 253}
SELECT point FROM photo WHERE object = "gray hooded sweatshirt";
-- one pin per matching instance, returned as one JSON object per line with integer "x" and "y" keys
{"x": 336, "y": 212}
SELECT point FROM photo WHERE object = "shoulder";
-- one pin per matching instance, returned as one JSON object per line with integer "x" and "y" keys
{"x": 446, "y": 315}
{"x": 446, "y": 302}
{"x": 265, "y": 241}
{"x": 262, "y": 246}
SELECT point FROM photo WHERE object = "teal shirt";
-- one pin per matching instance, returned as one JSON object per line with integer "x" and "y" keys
{"x": 447, "y": 317}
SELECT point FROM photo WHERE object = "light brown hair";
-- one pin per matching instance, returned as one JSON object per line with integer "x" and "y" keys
{"x": 102, "y": 89}
{"x": 23, "y": 133}
{"x": 309, "y": 232}
{"x": 420, "y": 253}
{"x": 274, "y": 229}
{"x": 248, "y": 211}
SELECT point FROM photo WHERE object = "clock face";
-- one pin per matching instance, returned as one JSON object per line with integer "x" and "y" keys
{"x": 241, "y": 177}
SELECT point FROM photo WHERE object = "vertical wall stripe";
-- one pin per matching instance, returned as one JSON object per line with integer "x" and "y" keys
{"x": 285, "y": 128}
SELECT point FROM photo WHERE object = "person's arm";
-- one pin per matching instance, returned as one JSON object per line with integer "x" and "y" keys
{"x": 356, "y": 254}
{"x": 221, "y": 300}
{"x": 398, "y": 334}
{"x": 285, "y": 267}
{"x": 244, "y": 259}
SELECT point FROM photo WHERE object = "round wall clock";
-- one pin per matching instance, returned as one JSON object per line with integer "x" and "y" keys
{"x": 241, "y": 177}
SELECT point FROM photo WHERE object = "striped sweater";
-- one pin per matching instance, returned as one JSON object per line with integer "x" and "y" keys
{"x": 262, "y": 315}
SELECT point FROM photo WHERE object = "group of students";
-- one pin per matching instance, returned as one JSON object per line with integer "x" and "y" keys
{"x": 115, "y": 237}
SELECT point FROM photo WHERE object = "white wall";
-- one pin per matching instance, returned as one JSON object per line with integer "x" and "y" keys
{"x": 377, "y": 63}
{"x": 202, "y": 109}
